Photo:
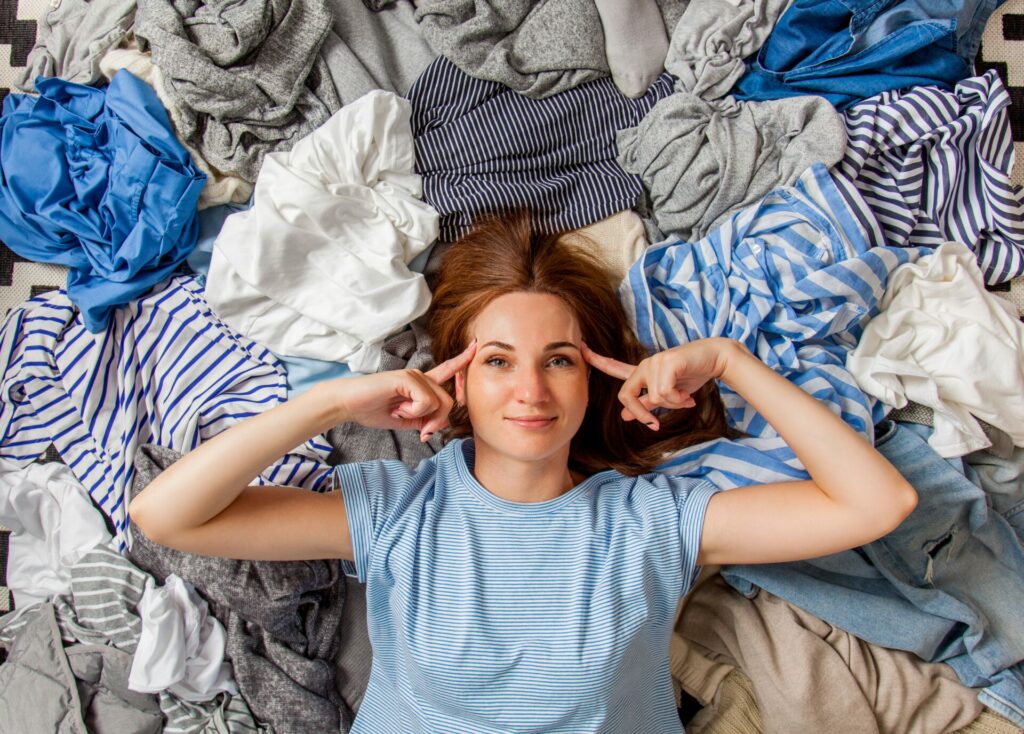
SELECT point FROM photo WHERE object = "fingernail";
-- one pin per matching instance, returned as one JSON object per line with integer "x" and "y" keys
{"x": 426, "y": 436}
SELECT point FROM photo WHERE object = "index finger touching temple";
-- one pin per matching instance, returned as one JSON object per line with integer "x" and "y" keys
{"x": 613, "y": 367}
{"x": 448, "y": 369}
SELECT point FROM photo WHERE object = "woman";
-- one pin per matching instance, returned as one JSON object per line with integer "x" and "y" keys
{"x": 526, "y": 578}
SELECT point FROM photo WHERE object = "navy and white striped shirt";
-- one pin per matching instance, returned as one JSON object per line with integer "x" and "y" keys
{"x": 165, "y": 370}
{"x": 490, "y": 616}
{"x": 483, "y": 148}
{"x": 934, "y": 166}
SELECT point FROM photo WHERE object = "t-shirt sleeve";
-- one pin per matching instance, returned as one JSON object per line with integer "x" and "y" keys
{"x": 372, "y": 490}
{"x": 692, "y": 497}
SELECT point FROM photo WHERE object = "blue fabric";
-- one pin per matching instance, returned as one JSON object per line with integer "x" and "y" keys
{"x": 848, "y": 50}
{"x": 95, "y": 180}
{"x": 795, "y": 277}
{"x": 304, "y": 372}
{"x": 211, "y": 221}
{"x": 947, "y": 584}
{"x": 487, "y": 615}
{"x": 1003, "y": 482}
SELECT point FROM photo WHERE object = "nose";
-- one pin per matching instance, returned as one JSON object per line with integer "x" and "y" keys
{"x": 531, "y": 385}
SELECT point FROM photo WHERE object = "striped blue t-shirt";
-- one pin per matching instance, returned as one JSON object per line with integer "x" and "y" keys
{"x": 488, "y": 615}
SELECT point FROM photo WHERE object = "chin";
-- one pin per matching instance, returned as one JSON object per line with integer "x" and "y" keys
{"x": 540, "y": 445}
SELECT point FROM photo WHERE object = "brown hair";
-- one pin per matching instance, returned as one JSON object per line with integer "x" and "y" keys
{"x": 504, "y": 255}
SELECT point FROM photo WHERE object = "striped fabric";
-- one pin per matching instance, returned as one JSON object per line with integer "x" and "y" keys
{"x": 796, "y": 278}
{"x": 165, "y": 371}
{"x": 934, "y": 166}
{"x": 481, "y": 148}
{"x": 491, "y": 616}
{"x": 101, "y": 610}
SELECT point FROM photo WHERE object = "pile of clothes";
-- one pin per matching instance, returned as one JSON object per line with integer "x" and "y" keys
{"x": 251, "y": 196}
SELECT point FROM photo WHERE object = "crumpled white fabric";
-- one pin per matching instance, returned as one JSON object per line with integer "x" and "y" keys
{"x": 53, "y": 524}
{"x": 943, "y": 341}
{"x": 181, "y": 647}
{"x": 318, "y": 267}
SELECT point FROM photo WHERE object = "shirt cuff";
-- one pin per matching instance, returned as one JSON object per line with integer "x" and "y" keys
{"x": 691, "y": 526}
{"x": 349, "y": 479}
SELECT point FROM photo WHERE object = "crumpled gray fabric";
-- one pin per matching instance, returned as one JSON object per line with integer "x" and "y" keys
{"x": 368, "y": 50}
{"x": 355, "y": 654}
{"x": 101, "y": 611}
{"x": 535, "y": 47}
{"x": 713, "y": 37}
{"x": 81, "y": 689}
{"x": 282, "y": 620}
{"x": 702, "y": 160}
{"x": 72, "y": 38}
{"x": 352, "y": 442}
{"x": 246, "y": 75}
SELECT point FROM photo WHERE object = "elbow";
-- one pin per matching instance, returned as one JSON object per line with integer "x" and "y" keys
{"x": 141, "y": 515}
{"x": 904, "y": 500}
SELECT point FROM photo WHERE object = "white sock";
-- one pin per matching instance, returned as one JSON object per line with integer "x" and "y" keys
{"x": 635, "y": 42}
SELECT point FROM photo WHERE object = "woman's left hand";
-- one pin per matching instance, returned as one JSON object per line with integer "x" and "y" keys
{"x": 667, "y": 379}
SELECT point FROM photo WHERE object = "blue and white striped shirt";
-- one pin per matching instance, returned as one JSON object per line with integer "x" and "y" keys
{"x": 795, "y": 277}
{"x": 165, "y": 370}
{"x": 488, "y": 615}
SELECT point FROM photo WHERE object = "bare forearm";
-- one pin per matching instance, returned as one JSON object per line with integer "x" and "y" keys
{"x": 209, "y": 478}
{"x": 841, "y": 462}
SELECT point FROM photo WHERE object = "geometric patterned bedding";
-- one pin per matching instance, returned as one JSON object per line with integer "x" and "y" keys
{"x": 1002, "y": 49}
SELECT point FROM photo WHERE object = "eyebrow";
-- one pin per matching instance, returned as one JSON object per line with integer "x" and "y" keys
{"x": 548, "y": 348}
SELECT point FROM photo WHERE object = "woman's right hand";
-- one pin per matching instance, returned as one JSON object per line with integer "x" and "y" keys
{"x": 403, "y": 399}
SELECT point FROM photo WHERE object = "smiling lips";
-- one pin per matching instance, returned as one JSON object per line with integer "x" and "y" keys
{"x": 531, "y": 421}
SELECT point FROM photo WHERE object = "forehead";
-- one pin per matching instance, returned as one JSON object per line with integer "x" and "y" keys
{"x": 526, "y": 318}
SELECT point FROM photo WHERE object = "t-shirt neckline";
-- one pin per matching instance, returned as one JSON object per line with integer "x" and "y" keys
{"x": 465, "y": 454}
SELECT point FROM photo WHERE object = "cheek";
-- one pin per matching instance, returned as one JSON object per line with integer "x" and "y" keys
{"x": 575, "y": 392}
{"x": 480, "y": 393}
{"x": 584, "y": 395}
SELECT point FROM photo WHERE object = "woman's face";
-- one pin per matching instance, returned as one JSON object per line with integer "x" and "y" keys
{"x": 526, "y": 388}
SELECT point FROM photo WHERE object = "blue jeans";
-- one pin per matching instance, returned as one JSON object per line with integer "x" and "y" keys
{"x": 947, "y": 584}
{"x": 1003, "y": 482}
{"x": 848, "y": 50}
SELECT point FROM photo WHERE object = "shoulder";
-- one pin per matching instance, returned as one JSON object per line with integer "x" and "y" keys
{"x": 392, "y": 476}
{"x": 661, "y": 498}
{"x": 651, "y": 487}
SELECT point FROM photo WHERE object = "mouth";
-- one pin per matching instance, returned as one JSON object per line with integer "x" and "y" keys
{"x": 534, "y": 422}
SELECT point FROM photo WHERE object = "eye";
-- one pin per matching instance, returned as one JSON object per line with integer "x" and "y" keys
{"x": 496, "y": 362}
{"x": 561, "y": 361}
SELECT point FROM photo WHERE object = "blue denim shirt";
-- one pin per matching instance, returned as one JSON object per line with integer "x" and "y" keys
{"x": 848, "y": 50}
